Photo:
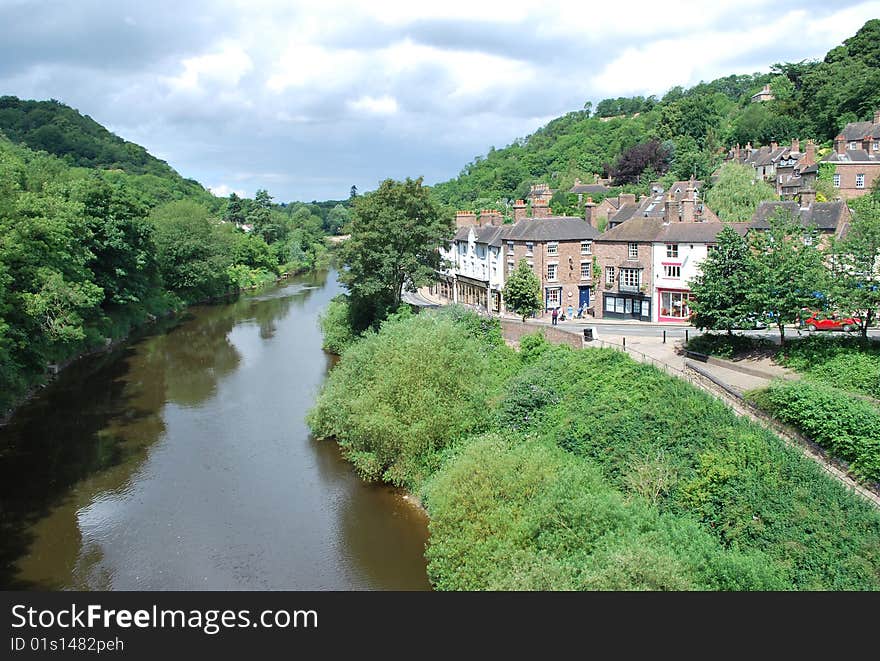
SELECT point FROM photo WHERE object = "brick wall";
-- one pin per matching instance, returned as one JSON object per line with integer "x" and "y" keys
{"x": 848, "y": 174}
{"x": 513, "y": 330}
{"x": 568, "y": 273}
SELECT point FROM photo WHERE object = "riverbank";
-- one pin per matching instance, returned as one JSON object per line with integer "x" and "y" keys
{"x": 555, "y": 468}
{"x": 181, "y": 461}
{"x": 148, "y": 317}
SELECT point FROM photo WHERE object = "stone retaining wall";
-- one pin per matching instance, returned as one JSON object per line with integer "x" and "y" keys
{"x": 513, "y": 330}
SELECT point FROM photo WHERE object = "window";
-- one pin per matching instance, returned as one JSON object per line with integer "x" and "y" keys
{"x": 510, "y": 246}
{"x": 510, "y": 266}
{"x": 672, "y": 271}
{"x": 462, "y": 248}
{"x": 860, "y": 180}
{"x": 631, "y": 277}
{"x": 876, "y": 146}
{"x": 672, "y": 250}
{"x": 553, "y": 248}
{"x": 837, "y": 180}
{"x": 551, "y": 271}
{"x": 675, "y": 304}
{"x": 609, "y": 275}
{"x": 529, "y": 249}
{"x": 585, "y": 270}
{"x": 633, "y": 250}
{"x": 854, "y": 145}
{"x": 586, "y": 247}
{"x": 553, "y": 297}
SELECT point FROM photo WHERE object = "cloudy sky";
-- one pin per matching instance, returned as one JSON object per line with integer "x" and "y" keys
{"x": 307, "y": 98}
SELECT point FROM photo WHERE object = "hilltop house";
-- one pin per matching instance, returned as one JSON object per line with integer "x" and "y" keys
{"x": 856, "y": 157}
{"x": 764, "y": 95}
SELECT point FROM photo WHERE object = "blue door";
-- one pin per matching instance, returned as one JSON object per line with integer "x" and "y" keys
{"x": 584, "y": 293}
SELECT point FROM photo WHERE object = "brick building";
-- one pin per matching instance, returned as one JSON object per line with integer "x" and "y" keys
{"x": 647, "y": 260}
{"x": 484, "y": 251}
{"x": 856, "y": 157}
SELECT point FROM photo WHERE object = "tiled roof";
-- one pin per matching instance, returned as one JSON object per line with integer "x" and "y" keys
{"x": 824, "y": 215}
{"x": 858, "y": 130}
{"x": 852, "y": 156}
{"x": 589, "y": 188}
{"x": 554, "y": 228}
{"x": 638, "y": 229}
{"x": 690, "y": 232}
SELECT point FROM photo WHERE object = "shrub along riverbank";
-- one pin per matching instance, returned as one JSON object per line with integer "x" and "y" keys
{"x": 559, "y": 469}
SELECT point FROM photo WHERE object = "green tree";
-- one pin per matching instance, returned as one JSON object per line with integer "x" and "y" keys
{"x": 234, "y": 212}
{"x": 736, "y": 194}
{"x": 522, "y": 291}
{"x": 266, "y": 222}
{"x": 337, "y": 218}
{"x": 192, "y": 250}
{"x": 856, "y": 264}
{"x": 786, "y": 270}
{"x": 721, "y": 289}
{"x": 396, "y": 232}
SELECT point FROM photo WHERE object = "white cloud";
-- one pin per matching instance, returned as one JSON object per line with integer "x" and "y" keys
{"x": 227, "y": 66}
{"x": 382, "y": 105}
{"x": 302, "y": 97}
{"x": 222, "y": 190}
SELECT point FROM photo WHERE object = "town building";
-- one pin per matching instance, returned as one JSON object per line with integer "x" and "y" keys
{"x": 484, "y": 251}
{"x": 856, "y": 157}
{"x": 832, "y": 219}
{"x": 785, "y": 167}
{"x": 648, "y": 259}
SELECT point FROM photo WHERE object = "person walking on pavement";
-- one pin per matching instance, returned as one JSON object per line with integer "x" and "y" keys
{"x": 555, "y": 315}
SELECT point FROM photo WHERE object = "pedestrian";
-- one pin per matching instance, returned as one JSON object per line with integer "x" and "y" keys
{"x": 555, "y": 315}
{"x": 570, "y": 314}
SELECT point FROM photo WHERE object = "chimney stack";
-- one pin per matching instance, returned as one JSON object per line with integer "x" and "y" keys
{"x": 736, "y": 153}
{"x": 590, "y": 212}
{"x": 465, "y": 219}
{"x": 688, "y": 204}
{"x": 669, "y": 211}
{"x": 877, "y": 116}
{"x": 809, "y": 154}
{"x": 795, "y": 145}
{"x": 840, "y": 144}
{"x": 540, "y": 208}
{"x": 519, "y": 210}
{"x": 774, "y": 145}
{"x": 808, "y": 196}
{"x": 627, "y": 198}
{"x": 490, "y": 217}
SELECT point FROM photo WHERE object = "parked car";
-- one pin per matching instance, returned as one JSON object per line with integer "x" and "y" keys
{"x": 817, "y": 321}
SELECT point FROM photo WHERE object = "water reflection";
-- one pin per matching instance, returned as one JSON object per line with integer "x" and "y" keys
{"x": 183, "y": 461}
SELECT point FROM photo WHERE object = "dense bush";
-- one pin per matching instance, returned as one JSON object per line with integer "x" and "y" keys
{"x": 660, "y": 439}
{"x": 520, "y": 515}
{"x": 728, "y": 346}
{"x": 336, "y": 326}
{"x": 843, "y": 362}
{"x": 399, "y": 397}
{"x": 847, "y": 427}
{"x": 563, "y": 469}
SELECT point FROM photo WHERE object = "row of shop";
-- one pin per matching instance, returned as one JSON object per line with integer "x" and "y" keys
{"x": 667, "y": 305}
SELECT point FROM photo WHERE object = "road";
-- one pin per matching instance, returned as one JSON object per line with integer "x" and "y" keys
{"x": 643, "y": 329}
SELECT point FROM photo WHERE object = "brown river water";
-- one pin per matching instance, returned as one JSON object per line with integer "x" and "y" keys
{"x": 182, "y": 461}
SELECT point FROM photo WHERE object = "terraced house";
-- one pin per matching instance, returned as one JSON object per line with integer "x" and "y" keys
{"x": 647, "y": 260}
{"x": 856, "y": 157}
{"x": 559, "y": 249}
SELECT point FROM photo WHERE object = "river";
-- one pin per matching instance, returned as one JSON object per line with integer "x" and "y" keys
{"x": 182, "y": 460}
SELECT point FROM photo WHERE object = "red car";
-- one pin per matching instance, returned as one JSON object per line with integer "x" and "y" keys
{"x": 833, "y": 322}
